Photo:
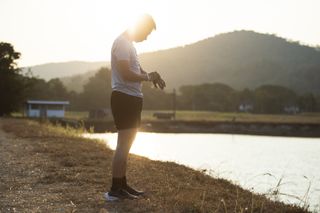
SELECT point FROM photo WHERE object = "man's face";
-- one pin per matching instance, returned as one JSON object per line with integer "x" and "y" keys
{"x": 142, "y": 34}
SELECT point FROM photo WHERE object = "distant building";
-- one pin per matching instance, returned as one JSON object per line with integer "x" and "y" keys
{"x": 45, "y": 109}
{"x": 245, "y": 107}
{"x": 292, "y": 109}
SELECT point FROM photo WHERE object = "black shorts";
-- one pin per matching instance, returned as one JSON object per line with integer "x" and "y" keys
{"x": 126, "y": 110}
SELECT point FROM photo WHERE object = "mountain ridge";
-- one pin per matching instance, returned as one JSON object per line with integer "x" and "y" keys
{"x": 241, "y": 59}
{"x": 51, "y": 70}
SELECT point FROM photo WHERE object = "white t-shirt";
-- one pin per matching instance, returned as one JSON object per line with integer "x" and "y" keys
{"x": 123, "y": 49}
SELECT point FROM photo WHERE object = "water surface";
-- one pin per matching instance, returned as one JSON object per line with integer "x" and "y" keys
{"x": 257, "y": 163}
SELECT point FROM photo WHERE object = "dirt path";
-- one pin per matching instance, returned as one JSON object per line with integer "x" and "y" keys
{"x": 20, "y": 172}
{"x": 46, "y": 169}
{"x": 32, "y": 178}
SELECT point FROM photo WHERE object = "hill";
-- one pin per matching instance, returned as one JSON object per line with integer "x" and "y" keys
{"x": 241, "y": 59}
{"x": 76, "y": 82}
{"x": 64, "y": 69}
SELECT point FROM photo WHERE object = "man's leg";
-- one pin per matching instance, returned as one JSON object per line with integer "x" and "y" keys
{"x": 124, "y": 143}
{"x": 119, "y": 165}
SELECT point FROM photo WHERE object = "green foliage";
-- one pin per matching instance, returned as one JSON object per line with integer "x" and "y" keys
{"x": 214, "y": 97}
{"x": 273, "y": 99}
{"x": 308, "y": 102}
{"x": 245, "y": 96}
{"x": 156, "y": 98}
{"x": 57, "y": 90}
{"x": 11, "y": 82}
{"x": 208, "y": 97}
{"x": 269, "y": 99}
{"x": 76, "y": 82}
{"x": 96, "y": 93}
{"x": 7, "y": 57}
{"x": 39, "y": 89}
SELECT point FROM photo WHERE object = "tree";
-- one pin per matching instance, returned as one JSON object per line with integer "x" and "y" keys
{"x": 11, "y": 82}
{"x": 37, "y": 88}
{"x": 57, "y": 90}
{"x": 8, "y": 57}
{"x": 96, "y": 93}
{"x": 245, "y": 96}
{"x": 273, "y": 99}
{"x": 156, "y": 98}
{"x": 308, "y": 102}
{"x": 214, "y": 97}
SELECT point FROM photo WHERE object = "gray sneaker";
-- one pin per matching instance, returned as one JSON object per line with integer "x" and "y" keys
{"x": 133, "y": 191}
{"x": 119, "y": 194}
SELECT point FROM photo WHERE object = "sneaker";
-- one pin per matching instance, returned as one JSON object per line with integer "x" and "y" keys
{"x": 133, "y": 191}
{"x": 118, "y": 195}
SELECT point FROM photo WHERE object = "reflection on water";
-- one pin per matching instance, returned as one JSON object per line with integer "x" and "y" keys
{"x": 254, "y": 162}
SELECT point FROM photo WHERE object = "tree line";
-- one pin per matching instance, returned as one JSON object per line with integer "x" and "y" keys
{"x": 16, "y": 88}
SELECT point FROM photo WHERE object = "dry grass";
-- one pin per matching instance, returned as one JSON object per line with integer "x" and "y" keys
{"x": 49, "y": 169}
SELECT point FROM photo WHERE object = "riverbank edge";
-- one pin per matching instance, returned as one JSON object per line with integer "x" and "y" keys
{"x": 222, "y": 127}
{"x": 74, "y": 162}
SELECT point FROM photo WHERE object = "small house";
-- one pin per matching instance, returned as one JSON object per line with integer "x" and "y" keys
{"x": 291, "y": 109}
{"x": 245, "y": 107}
{"x": 45, "y": 109}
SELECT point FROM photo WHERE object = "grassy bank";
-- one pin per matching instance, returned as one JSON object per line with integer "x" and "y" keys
{"x": 299, "y": 125}
{"x": 51, "y": 169}
{"x": 313, "y": 118}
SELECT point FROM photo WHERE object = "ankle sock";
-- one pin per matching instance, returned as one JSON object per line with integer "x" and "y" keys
{"x": 116, "y": 183}
{"x": 124, "y": 181}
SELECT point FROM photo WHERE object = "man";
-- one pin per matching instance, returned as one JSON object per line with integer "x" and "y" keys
{"x": 126, "y": 101}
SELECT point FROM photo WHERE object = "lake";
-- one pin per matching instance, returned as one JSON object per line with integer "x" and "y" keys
{"x": 262, "y": 164}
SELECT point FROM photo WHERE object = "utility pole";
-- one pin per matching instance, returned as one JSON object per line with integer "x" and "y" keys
{"x": 174, "y": 103}
{"x": 193, "y": 107}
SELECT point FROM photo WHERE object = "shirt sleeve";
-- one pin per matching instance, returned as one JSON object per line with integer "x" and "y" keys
{"x": 122, "y": 50}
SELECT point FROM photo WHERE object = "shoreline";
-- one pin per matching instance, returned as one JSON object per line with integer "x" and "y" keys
{"x": 284, "y": 129}
{"x": 49, "y": 169}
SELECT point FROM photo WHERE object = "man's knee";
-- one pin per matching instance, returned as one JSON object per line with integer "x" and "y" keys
{"x": 126, "y": 137}
{"x": 127, "y": 132}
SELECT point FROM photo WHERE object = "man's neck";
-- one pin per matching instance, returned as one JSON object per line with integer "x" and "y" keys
{"x": 128, "y": 35}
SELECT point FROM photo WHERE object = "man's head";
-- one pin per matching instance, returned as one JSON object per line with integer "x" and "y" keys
{"x": 142, "y": 28}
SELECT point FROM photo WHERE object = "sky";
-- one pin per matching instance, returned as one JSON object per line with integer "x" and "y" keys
{"x": 47, "y": 31}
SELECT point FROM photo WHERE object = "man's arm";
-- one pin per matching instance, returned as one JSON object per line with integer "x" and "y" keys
{"x": 128, "y": 75}
{"x": 142, "y": 70}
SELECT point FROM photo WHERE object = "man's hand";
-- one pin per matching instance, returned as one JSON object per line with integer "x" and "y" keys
{"x": 159, "y": 83}
{"x": 152, "y": 76}
{"x": 156, "y": 79}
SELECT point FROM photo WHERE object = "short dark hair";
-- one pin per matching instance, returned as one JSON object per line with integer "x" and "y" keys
{"x": 147, "y": 20}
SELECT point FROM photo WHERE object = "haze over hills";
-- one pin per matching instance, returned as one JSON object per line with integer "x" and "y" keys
{"x": 241, "y": 59}
{"x": 64, "y": 69}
